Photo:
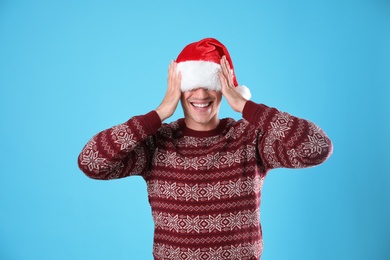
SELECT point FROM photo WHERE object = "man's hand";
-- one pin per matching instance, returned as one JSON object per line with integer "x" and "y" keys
{"x": 235, "y": 100}
{"x": 173, "y": 94}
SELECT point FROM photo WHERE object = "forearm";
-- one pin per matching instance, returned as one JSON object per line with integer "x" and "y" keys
{"x": 285, "y": 140}
{"x": 120, "y": 151}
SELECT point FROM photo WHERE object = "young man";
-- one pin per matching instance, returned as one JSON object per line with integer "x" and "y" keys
{"x": 204, "y": 174}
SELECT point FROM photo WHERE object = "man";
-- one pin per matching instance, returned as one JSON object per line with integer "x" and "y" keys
{"x": 205, "y": 174}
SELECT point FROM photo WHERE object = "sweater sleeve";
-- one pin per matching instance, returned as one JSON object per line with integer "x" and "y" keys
{"x": 286, "y": 141}
{"x": 123, "y": 150}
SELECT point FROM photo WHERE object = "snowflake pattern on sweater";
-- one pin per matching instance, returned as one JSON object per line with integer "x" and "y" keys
{"x": 204, "y": 188}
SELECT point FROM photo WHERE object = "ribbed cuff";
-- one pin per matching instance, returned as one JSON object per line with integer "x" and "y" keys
{"x": 252, "y": 111}
{"x": 149, "y": 123}
{"x": 152, "y": 122}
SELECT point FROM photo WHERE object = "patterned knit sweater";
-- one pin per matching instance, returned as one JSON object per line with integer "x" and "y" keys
{"x": 204, "y": 187}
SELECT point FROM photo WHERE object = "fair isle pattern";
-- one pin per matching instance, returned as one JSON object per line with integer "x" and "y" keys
{"x": 244, "y": 251}
{"x": 205, "y": 189}
{"x": 206, "y": 224}
{"x": 208, "y": 161}
{"x": 213, "y": 207}
{"x": 206, "y": 175}
{"x": 90, "y": 157}
{"x": 315, "y": 142}
{"x": 209, "y": 239}
{"x": 189, "y": 141}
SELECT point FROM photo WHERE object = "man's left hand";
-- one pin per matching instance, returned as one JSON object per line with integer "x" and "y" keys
{"x": 235, "y": 100}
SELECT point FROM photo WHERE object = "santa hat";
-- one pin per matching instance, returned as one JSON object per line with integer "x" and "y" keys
{"x": 199, "y": 63}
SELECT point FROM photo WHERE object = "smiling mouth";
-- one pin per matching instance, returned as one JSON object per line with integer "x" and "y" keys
{"x": 201, "y": 105}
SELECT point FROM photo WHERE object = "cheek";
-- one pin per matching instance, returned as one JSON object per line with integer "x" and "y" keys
{"x": 184, "y": 96}
{"x": 218, "y": 97}
{"x": 217, "y": 94}
{"x": 183, "y": 102}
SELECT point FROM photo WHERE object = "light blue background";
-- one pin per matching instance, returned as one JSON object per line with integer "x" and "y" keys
{"x": 69, "y": 69}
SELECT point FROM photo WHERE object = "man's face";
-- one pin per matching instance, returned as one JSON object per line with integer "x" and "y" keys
{"x": 201, "y": 107}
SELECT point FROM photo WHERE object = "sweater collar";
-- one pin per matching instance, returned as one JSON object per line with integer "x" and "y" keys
{"x": 189, "y": 132}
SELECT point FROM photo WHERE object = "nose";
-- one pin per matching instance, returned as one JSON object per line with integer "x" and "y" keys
{"x": 201, "y": 93}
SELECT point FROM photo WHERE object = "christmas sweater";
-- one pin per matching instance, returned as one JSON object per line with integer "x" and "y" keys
{"x": 204, "y": 187}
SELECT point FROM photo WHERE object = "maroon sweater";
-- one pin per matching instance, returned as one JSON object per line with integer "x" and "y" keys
{"x": 204, "y": 187}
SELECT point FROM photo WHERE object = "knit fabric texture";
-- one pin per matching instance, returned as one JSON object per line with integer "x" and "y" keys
{"x": 204, "y": 187}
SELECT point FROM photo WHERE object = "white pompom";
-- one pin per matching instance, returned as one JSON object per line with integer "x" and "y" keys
{"x": 244, "y": 92}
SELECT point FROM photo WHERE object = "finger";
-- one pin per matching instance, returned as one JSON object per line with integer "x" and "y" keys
{"x": 227, "y": 72}
{"x": 169, "y": 81}
{"x": 223, "y": 67}
{"x": 176, "y": 75}
{"x": 178, "y": 80}
{"x": 222, "y": 78}
{"x": 224, "y": 74}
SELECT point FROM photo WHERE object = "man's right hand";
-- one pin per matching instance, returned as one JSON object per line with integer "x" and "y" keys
{"x": 173, "y": 94}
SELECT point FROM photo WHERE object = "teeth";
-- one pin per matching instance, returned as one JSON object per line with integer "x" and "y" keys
{"x": 200, "y": 105}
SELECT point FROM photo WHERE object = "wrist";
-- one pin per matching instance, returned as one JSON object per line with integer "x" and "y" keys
{"x": 161, "y": 114}
{"x": 241, "y": 105}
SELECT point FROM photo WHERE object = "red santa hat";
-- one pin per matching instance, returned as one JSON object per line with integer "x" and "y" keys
{"x": 199, "y": 63}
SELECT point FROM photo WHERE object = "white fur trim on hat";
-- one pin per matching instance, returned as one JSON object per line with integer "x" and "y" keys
{"x": 196, "y": 74}
{"x": 204, "y": 74}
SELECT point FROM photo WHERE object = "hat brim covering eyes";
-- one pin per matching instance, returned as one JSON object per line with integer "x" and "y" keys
{"x": 196, "y": 74}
